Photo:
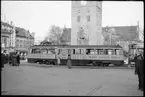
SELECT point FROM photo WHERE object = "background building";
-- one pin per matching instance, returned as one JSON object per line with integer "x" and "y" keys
{"x": 86, "y": 23}
{"x": 15, "y": 38}
{"x": 7, "y": 35}
{"x": 23, "y": 39}
{"x": 122, "y": 35}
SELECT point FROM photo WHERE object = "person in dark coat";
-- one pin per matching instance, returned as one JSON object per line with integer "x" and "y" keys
{"x": 139, "y": 69}
{"x": 18, "y": 59}
{"x": 10, "y": 59}
{"x": 2, "y": 60}
{"x": 14, "y": 59}
{"x": 135, "y": 60}
{"x": 69, "y": 63}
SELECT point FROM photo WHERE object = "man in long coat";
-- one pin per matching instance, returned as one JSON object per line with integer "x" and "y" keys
{"x": 2, "y": 60}
{"x": 14, "y": 59}
{"x": 139, "y": 69}
{"x": 18, "y": 59}
{"x": 69, "y": 63}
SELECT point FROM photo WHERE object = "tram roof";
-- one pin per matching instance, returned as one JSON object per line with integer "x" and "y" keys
{"x": 99, "y": 46}
{"x": 79, "y": 46}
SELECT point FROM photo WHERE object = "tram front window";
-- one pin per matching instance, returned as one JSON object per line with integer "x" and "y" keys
{"x": 35, "y": 51}
{"x": 44, "y": 51}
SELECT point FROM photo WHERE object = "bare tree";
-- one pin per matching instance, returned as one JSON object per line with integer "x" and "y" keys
{"x": 54, "y": 35}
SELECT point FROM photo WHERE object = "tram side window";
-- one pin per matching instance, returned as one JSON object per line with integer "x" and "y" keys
{"x": 92, "y": 51}
{"x": 44, "y": 51}
{"x": 78, "y": 51}
{"x": 113, "y": 52}
{"x": 32, "y": 51}
{"x": 109, "y": 52}
{"x": 59, "y": 50}
{"x": 88, "y": 51}
{"x": 96, "y": 52}
{"x": 82, "y": 51}
{"x": 106, "y": 51}
{"x": 117, "y": 52}
{"x": 72, "y": 51}
{"x": 101, "y": 51}
{"x": 51, "y": 51}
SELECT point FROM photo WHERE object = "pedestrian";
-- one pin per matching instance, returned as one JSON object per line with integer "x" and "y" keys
{"x": 5, "y": 57}
{"x": 10, "y": 58}
{"x": 18, "y": 59}
{"x": 2, "y": 60}
{"x": 14, "y": 59}
{"x": 139, "y": 70}
{"x": 58, "y": 60}
{"x": 69, "y": 63}
{"x": 135, "y": 60}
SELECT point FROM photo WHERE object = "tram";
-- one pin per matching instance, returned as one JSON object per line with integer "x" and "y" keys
{"x": 96, "y": 55}
{"x": 45, "y": 54}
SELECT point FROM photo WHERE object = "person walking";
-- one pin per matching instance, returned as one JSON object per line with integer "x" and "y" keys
{"x": 69, "y": 63}
{"x": 18, "y": 59}
{"x": 58, "y": 60}
{"x": 2, "y": 60}
{"x": 5, "y": 57}
{"x": 14, "y": 59}
{"x": 139, "y": 70}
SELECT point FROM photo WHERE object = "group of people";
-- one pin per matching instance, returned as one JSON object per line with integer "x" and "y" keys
{"x": 12, "y": 58}
{"x": 139, "y": 69}
{"x": 69, "y": 63}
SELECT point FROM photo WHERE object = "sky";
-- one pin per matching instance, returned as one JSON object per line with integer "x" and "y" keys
{"x": 38, "y": 16}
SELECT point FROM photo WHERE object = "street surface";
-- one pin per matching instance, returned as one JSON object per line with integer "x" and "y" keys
{"x": 55, "y": 80}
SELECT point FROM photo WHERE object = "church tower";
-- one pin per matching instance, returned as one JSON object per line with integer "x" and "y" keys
{"x": 86, "y": 23}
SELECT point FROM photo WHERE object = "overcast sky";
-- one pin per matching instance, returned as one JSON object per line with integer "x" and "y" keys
{"x": 38, "y": 16}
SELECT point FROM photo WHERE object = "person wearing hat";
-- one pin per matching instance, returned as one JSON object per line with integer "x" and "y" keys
{"x": 2, "y": 60}
{"x": 18, "y": 59}
{"x": 69, "y": 64}
{"x": 139, "y": 69}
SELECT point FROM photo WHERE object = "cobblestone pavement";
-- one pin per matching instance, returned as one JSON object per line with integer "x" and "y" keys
{"x": 32, "y": 80}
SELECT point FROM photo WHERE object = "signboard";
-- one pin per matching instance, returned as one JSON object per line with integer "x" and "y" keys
{"x": 103, "y": 57}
